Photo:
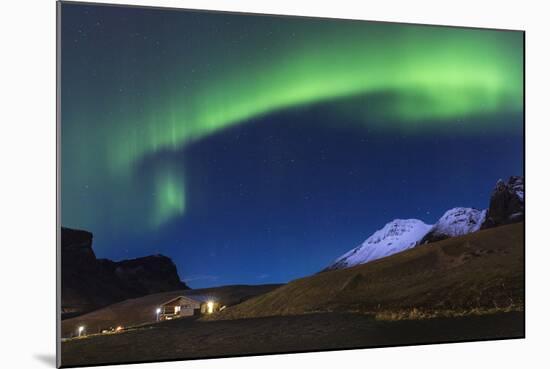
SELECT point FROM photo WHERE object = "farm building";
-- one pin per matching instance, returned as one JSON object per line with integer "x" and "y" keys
{"x": 181, "y": 306}
{"x": 143, "y": 310}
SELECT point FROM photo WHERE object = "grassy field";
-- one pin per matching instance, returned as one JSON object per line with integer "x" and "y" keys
{"x": 190, "y": 338}
{"x": 479, "y": 273}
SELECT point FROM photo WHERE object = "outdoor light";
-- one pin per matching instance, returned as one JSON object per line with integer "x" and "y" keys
{"x": 158, "y": 313}
{"x": 80, "y": 330}
{"x": 210, "y": 307}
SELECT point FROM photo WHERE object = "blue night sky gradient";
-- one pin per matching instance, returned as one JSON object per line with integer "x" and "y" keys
{"x": 274, "y": 200}
{"x": 154, "y": 159}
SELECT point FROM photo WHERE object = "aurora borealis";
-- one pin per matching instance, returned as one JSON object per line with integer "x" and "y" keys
{"x": 169, "y": 120}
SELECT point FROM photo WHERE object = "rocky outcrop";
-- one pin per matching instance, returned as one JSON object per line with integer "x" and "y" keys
{"x": 88, "y": 283}
{"x": 507, "y": 203}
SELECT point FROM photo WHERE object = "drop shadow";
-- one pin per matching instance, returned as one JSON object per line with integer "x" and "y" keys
{"x": 48, "y": 359}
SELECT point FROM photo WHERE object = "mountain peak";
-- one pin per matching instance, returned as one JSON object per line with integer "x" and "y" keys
{"x": 456, "y": 222}
{"x": 397, "y": 235}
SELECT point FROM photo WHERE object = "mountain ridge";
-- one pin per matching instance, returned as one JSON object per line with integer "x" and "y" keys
{"x": 506, "y": 206}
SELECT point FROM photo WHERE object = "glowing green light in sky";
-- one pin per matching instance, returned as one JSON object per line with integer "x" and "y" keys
{"x": 430, "y": 73}
{"x": 170, "y": 198}
{"x": 231, "y": 69}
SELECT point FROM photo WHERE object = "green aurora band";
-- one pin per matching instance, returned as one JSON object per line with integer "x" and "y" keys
{"x": 430, "y": 76}
{"x": 433, "y": 73}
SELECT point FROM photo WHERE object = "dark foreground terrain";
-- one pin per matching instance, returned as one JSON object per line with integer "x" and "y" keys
{"x": 191, "y": 338}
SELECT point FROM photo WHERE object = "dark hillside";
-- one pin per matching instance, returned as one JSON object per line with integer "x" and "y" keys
{"x": 476, "y": 273}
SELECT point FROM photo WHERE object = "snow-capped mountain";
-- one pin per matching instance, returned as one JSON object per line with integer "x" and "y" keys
{"x": 456, "y": 222}
{"x": 396, "y": 236}
{"x": 507, "y": 205}
{"x": 402, "y": 234}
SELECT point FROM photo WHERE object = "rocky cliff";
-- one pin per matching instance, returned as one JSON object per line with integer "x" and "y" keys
{"x": 88, "y": 283}
{"x": 507, "y": 204}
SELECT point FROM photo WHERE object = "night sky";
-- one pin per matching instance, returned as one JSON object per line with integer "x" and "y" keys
{"x": 257, "y": 149}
